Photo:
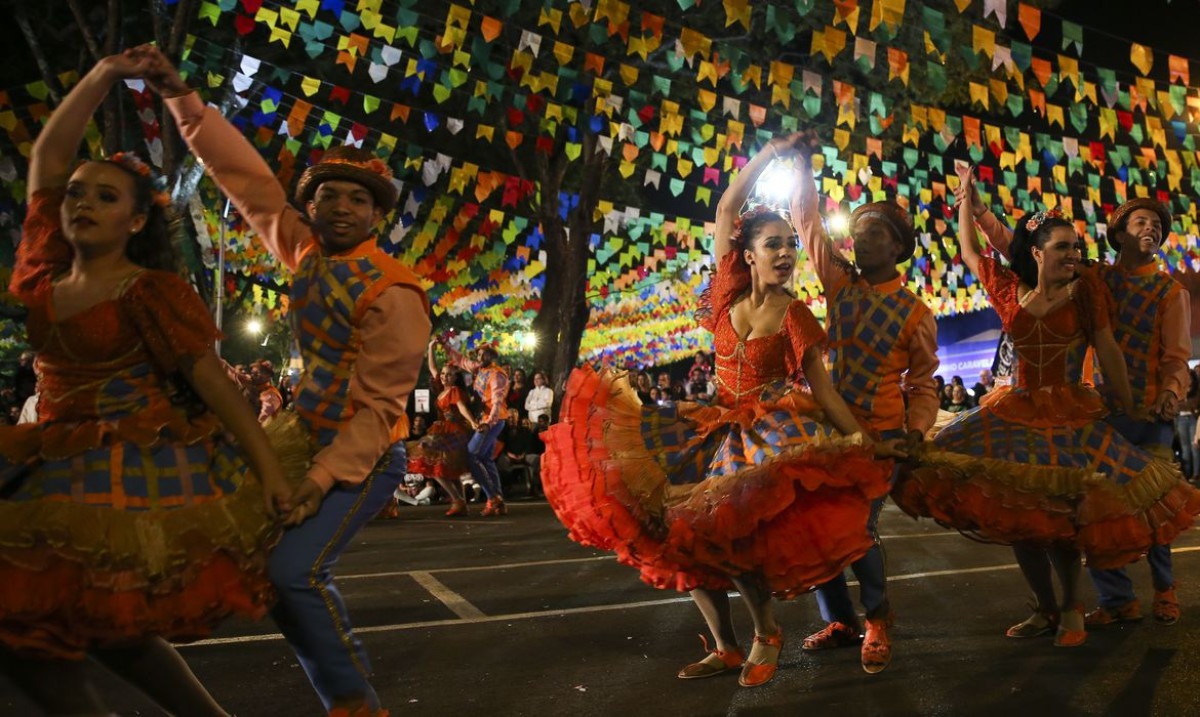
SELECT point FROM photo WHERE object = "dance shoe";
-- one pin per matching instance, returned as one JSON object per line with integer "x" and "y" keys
{"x": 1102, "y": 616}
{"x": 760, "y": 673}
{"x": 715, "y": 663}
{"x": 1166, "y": 607}
{"x": 1065, "y": 637}
{"x": 877, "y": 646}
{"x": 1039, "y": 623}
{"x": 833, "y": 636}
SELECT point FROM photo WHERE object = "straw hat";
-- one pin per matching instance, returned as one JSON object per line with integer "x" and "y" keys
{"x": 1120, "y": 217}
{"x": 350, "y": 164}
{"x": 894, "y": 216}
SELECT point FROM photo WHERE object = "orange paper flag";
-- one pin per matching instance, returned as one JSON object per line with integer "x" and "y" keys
{"x": 1030, "y": 18}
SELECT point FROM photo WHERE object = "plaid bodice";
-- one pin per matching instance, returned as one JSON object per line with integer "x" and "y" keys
{"x": 1137, "y": 324}
{"x": 330, "y": 296}
{"x": 869, "y": 334}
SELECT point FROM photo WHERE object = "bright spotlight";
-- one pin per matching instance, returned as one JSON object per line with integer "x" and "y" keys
{"x": 839, "y": 223}
{"x": 528, "y": 341}
{"x": 776, "y": 184}
{"x": 254, "y": 326}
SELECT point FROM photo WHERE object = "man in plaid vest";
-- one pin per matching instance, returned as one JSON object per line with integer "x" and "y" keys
{"x": 883, "y": 350}
{"x": 362, "y": 322}
{"x": 1152, "y": 326}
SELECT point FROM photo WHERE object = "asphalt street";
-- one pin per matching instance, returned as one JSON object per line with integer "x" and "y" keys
{"x": 506, "y": 616}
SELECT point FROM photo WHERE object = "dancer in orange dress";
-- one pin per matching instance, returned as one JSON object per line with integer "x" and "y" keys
{"x": 768, "y": 492}
{"x": 1036, "y": 466}
{"x": 441, "y": 454}
{"x": 129, "y": 518}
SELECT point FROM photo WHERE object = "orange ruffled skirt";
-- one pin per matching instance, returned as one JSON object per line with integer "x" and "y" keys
{"x": 693, "y": 496}
{"x": 125, "y": 540}
{"x": 1037, "y": 467}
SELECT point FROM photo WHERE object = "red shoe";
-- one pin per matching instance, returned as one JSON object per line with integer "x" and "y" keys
{"x": 1166, "y": 607}
{"x": 457, "y": 507}
{"x": 495, "y": 506}
{"x": 1102, "y": 616}
{"x": 835, "y": 635}
{"x": 391, "y": 510}
{"x": 760, "y": 673}
{"x": 877, "y": 646}
{"x": 1071, "y": 638}
{"x": 715, "y": 663}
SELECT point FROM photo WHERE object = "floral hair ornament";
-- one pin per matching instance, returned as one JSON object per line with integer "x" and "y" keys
{"x": 748, "y": 216}
{"x": 1040, "y": 218}
{"x": 133, "y": 164}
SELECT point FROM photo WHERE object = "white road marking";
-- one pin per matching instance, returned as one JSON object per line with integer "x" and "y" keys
{"x": 446, "y": 595}
{"x": 458, "y": 604}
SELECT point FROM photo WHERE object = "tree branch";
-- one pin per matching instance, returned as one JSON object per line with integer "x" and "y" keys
{"x": 35, "y": 48}
{"x": 89, "y": 38}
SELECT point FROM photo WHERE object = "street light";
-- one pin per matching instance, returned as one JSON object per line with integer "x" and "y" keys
{"x": 839, "y": 223}
{"x": 527, "y": 340}
{"x": 776, "y": 184}
{"x": 254, "y": 327}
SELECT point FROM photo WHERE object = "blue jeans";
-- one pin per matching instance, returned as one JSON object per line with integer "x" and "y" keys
{"x": 1114, "y": 586}
{"x": 311, "y": 613}
{"x": 833, "y": 598}
{"x": 1185, "y": 431}
{"x": 481, "y": 462}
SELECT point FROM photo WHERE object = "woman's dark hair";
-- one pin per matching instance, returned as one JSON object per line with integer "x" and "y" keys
{"x": 1024, "y": 240}
{"x": 458, "y": 378}
{"x": 154, "y": 247}
{"x": 752, "y": 224}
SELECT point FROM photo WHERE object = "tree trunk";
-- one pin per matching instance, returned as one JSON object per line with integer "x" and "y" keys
{"x": 563, "y": 317}
{"x": 112, "y": 103}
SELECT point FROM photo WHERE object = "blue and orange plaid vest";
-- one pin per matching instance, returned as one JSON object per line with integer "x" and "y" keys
{"x": 330, "y": 296}
{"x": 869, "y": 334}
{"x": 1137, "y": 325}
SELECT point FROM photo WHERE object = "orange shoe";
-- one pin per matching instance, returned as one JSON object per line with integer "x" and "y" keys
{"x": 457, "y": 507}
{"x": 495, "y": 506}
{"x": 1066, "y": 637}
{"x": 760, "y": 673}
{"x": 1166, "y": 607}
{"x": 833, "y": 636}
{"x": 715, "y": 663}
{"x": 877, "y": 646}
{"x": 1102, "y": 616}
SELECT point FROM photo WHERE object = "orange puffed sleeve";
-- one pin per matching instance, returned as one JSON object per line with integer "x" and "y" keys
{"x": 43, "y": 252}
{"x": 1003, "y": 288}
{"x": 1096, "y": 301}
{"x": 803, "y": 332}
{"x": 170, "y": 317}
{"x": 729, "y": 280}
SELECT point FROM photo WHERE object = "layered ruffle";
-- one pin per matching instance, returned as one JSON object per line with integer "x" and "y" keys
{"x": 75, "y": 576}
{"x": 694, "y": 503}
{"x": 1069, "y": 405}
{"x": 441, "y": 452}
{"x": 1008, "y": 502}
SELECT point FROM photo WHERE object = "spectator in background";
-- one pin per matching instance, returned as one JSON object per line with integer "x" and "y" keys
{"x": 540, "y": 400}
{"x": 29, "y": 411}
{"x": 25, "y": 378}
{"x": 700, "y": 386}
{"x": 419, "y": 426}
{"x": 522, "y": 450}
{"x": 644, "y": 384}
{"x": 518, "y": 391}
{"x": 985, "y": 385}
{"x": 959, "y": 401}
